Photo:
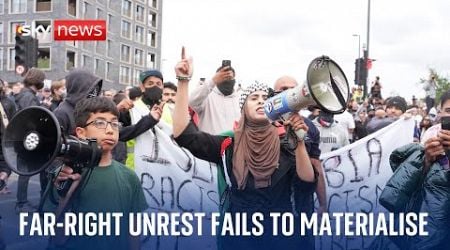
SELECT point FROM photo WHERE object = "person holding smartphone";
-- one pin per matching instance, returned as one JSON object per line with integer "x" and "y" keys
{"x": 216, "y": 102}
{"x": 421, "y": 183}
{"x": 436, "y": 139}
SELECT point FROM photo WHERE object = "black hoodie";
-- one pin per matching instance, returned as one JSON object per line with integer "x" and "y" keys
{"x": 26, "y": 98}
{"x": 79, "y": 84}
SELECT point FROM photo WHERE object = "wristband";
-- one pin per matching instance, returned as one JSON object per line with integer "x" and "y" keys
{"x": 183, "y": 78}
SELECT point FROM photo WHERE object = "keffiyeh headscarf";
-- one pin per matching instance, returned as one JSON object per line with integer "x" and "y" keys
{"x": 252, "y": 88}
{"x": 257, "y": 146}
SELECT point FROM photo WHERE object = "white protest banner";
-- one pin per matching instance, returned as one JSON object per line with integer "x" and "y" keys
{"x": 173, "y": 180}
{"x": 356, "y": 175}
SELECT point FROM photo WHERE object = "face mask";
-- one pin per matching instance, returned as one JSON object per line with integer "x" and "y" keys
{"x": 226, "y": 87}
{"x": 152, "y": 96}
{"x": 326, "y": 120}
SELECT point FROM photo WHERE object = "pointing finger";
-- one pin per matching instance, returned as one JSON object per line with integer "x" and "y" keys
{"x": 183, "y": 53}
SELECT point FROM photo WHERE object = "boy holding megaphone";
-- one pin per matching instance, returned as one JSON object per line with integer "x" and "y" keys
{"x": 111, "y": 187}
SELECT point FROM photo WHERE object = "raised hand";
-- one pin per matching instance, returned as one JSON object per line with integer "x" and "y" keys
{"x": 184, "y": 68}
{"x": 125, "y": 104}
{"x": 222, "y": 75}
{"x": 433, "y": 149}
{"x": 157, "y": 110}
{"x": 296, "y": 122}
{"x": 65, "y": 174}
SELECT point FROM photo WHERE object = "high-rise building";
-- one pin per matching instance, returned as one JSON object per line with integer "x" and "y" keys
{"x": 133, "y": 41}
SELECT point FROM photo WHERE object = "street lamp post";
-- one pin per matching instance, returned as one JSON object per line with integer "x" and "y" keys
{"x": 366, "y": 51}
{"x": 358, "y": 61}
{"x": 368, "y": 28}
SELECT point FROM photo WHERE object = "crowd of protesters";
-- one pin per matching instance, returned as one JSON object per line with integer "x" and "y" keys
{"x": 217, "y": 105}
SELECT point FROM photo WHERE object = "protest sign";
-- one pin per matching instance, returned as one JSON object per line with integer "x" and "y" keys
{"x": 173, "y": 180}
{"x": 355, "y": 176}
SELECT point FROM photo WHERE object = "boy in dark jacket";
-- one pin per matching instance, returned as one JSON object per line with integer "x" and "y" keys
{"x": 33, "y": 81}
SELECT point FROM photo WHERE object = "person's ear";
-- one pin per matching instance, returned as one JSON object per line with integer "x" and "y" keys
{"x": 81, "y": 132}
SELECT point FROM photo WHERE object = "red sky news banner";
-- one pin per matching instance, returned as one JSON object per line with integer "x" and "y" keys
{"x": 79, "y": 30}
{"x": 66, "y": 30}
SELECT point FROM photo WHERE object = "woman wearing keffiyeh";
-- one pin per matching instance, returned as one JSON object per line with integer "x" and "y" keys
{"x": 258, "y": 170}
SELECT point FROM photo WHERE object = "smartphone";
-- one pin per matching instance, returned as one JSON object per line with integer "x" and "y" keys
{"x": 445, "y": 122}
{"x": 226, "y": 63}
{"x": 445, "y": 125}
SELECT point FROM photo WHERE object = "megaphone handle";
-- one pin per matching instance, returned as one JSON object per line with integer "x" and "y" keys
{"x": 63, "y": 187}
{"x": 66, "y": 201}
{"x": 48, "y": 188}
{"x": 301, "y": 134}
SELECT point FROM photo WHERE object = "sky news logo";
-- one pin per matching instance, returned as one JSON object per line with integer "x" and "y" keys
{"x": 67, "y": 30}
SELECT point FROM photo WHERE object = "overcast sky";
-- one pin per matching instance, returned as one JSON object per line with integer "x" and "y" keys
{"x": 267, "y": 39}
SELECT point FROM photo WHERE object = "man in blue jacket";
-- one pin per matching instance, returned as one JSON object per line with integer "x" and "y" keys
{"x": 421, "y": 183}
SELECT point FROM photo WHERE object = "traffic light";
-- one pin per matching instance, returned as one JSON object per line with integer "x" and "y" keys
{"x": 21, "y": 50}
{"x": 360, "y": 72}
{"x": 26, "y": 49}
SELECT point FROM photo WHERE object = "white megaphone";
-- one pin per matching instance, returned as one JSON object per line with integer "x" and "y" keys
{"x": 326, "y": 86}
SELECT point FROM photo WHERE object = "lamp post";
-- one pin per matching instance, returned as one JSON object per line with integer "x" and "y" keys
{"x": 366, "y": 51}
{"x": 368, "y": 28}
{"x": 358, "y": 61}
